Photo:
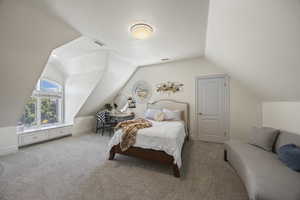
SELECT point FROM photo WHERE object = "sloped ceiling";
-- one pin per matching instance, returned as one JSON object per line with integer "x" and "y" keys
{"x": 28, "y": 35}
{"x": 257, "y": 42}
{"x": 83, "y": 63}
{"x": 179, "y": 26}
{"x": 79, "y": 56}
{"x": 115, "y": 76}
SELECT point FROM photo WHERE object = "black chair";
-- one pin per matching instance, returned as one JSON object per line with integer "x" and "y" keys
{"x": 105, "y": 122}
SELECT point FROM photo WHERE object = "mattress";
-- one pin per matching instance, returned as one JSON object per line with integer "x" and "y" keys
{"x": 167, "y": 136}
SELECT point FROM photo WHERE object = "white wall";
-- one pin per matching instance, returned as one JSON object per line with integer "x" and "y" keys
{"x": 84, "y": 125}
{"x": 118, "y": 71}
{"x": 52, "y": 72}
{"x": 83, "y": 74}
{"x": 257, "y": 42}
{"x": 245, "y": 107}
{"x": 282, "y": 115}
{"x": 77, "y": 90}
{"x": 8, "y": 140}
{"x": 28, "y": 35}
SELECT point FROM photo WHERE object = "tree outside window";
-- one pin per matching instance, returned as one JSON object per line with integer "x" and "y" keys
{"x": 49, "y": 110}
{"x": 44, "y": 107}
{"x": 29, "y": 117}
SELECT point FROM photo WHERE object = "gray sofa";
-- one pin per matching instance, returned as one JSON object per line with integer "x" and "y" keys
{"x": 264, "y": 175}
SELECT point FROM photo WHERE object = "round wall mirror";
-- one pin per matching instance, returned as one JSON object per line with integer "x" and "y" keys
{"x": 142, "y": 91}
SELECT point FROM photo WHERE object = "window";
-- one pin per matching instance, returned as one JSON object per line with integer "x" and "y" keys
{"x": 29, "y": 117}
{"x": 45, "y": 106}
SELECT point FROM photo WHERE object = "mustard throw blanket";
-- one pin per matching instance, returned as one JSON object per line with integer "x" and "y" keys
{"x": 130, "y": 129}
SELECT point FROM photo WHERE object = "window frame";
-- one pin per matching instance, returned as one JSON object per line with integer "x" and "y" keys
{"x": 38, "y": 94}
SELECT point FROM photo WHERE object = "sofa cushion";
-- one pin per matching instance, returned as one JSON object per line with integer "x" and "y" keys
{"x": 286, "y": 137}
{"x": 263, "y": 174}
{"x": 289, "y": 154}
{"x": 263, "y": 137}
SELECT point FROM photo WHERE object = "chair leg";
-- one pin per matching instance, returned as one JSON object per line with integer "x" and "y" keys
{"x": 176, "y": 171}
{"x": 97, "y": 127}
{"x": 102, "y": 131}
{"x": 225, "y": 155}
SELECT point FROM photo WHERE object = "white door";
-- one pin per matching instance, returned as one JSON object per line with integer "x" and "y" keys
{"x": 212, "y": 104}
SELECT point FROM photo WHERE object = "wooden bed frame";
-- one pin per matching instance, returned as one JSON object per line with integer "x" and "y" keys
{"x": 155, "y": 155}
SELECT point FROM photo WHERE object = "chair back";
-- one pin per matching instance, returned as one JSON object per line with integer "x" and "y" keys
{"x": 103, "y": 116}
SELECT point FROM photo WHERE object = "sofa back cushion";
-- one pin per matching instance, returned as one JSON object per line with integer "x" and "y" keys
{"x": 263, "y": 137}
{"x": 286, "y": 137}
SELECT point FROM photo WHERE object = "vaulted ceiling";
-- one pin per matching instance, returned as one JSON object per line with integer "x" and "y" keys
{"x": 258, "y": 43}
{"x": 79, "y": 56}
{"x": 255, "y": 41}
{"x": 179, "y": 26}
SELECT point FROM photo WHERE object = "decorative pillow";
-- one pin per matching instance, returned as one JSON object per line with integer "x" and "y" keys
{"x": 151, "y": 112}
{"x": 172, "y": 114}
{"x": 289, "y": 154}
{"x": 263, "y": 137}
{"x": 160, "y": 116}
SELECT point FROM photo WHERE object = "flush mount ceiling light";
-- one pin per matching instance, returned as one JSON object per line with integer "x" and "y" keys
{"x": 141, "y": 31}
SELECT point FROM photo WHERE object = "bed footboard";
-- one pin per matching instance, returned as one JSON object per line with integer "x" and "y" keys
{"x": 147, "y": 154}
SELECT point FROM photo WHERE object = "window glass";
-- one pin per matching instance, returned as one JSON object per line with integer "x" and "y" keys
{"x": 49, "y": 110}
{"x": 29, "y": 117}
{"x": 44, "y": 107}
{"x": 48, "y": 86}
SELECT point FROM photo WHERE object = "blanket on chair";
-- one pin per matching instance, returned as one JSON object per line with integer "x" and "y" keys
{"x": 130, "y": 129}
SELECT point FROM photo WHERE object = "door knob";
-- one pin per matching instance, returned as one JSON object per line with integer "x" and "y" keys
{"x": 199, "y": 113}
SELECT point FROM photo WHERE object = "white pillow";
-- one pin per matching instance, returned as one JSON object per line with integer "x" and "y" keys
{"x": 151, "y": 113}
{"x": 172, "y": 114}
{"x": 160, "y": 116}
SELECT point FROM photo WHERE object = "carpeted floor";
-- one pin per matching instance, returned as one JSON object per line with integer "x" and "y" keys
{"x": 75, "y": 168}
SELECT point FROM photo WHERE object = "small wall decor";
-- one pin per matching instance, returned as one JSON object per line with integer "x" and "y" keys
{"x": 131, "y": 103}
{"x": 124, "y": 102}
{"x": 141, "y": 91}
{"x": 169, "y": 87}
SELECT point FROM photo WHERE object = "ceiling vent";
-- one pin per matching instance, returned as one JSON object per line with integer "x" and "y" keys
{"x": 99, "y": 43}
{"x": 165, "y": 59}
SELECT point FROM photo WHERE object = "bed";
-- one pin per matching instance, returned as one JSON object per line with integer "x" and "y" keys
{"x": 163, "y": 142}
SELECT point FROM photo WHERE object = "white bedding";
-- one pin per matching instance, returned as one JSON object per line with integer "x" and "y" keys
{"x": 167, "y": 136}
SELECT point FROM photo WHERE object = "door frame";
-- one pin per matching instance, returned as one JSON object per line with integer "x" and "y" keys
{"x": 226, "y": 104}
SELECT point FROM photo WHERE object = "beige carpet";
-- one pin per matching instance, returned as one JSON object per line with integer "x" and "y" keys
{"x": 75, "y": 168}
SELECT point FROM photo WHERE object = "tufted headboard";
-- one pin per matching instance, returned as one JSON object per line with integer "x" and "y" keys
{"x": 174, "y": 105}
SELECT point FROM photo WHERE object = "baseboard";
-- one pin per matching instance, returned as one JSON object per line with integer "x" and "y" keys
{"x": 82, "y": 132}
{"x": 8, "y": 150}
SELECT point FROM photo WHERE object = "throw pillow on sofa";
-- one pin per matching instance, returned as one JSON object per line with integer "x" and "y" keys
{"x": 263, "y": 137}
{"x": 289, "y": 154}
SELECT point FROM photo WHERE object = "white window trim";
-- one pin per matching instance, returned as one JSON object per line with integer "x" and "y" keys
{"x": 40, "y": 94}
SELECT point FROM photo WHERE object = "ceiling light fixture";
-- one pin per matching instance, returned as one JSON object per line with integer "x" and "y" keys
{"x": 141, "y": 31}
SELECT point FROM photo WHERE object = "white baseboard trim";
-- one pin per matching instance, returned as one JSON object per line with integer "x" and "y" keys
{"x": 8, "y": 150}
